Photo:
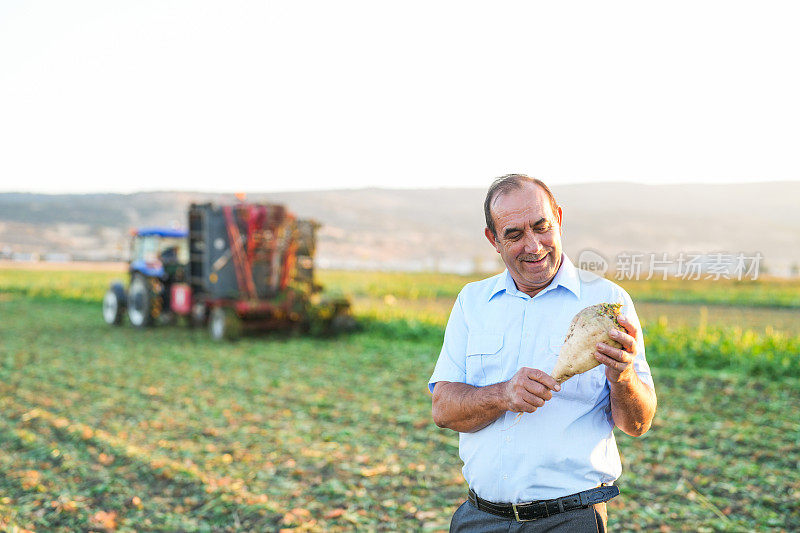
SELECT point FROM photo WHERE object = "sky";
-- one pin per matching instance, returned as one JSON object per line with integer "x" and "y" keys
{"x": 112, "y": 96}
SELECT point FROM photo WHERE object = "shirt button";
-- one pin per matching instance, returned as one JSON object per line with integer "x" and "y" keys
{"x": 508, "y": 439}
{"x": 505, "y": 476}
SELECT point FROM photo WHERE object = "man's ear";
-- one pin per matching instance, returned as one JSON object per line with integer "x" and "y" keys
{"x": 559, "y": 214}
{"x": 490, "y": 236}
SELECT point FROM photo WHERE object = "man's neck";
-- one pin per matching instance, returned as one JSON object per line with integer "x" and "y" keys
{"x": 532, "y": 291}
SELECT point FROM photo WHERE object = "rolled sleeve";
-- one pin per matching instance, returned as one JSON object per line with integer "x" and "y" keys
{"x": 451, "y": 365}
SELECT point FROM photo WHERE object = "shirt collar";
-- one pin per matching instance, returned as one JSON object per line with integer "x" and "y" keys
{"x": 567, "y": 277}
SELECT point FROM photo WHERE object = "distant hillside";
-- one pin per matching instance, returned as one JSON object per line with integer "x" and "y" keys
{"x": 438, "y": 229}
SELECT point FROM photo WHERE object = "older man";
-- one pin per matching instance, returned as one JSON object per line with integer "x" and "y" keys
{"x": 551, "y": 468}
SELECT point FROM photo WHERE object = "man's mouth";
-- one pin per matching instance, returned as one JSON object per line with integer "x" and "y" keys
{"x": 533, "y": 260}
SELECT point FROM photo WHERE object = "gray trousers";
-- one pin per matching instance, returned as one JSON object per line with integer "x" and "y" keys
{"x": 468, "y": 519}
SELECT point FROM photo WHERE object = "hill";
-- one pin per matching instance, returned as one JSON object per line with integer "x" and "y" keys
{"x": 437, "y": 229}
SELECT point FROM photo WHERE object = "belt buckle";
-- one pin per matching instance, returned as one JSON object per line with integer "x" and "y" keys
{"x": 516, "y": 512}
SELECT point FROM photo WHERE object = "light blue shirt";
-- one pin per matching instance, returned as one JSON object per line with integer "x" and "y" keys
{"x": 567, "y": 445}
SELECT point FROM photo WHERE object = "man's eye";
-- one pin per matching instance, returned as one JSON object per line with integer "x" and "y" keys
{"x": 543, "y": 229}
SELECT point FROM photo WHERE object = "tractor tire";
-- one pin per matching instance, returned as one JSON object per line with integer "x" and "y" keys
{"x": 343, "y": 323}
{"x": 141, "y": 302}
{"x": 114, "y": 303}
{"x": 223, "y": 324}
{"x": 198, "y": 318}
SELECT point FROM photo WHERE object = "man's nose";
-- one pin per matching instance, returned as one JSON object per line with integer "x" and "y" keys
{"x": 532, "y": 243}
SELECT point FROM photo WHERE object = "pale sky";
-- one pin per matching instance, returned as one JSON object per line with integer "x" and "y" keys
{"x": 297, "y": 95}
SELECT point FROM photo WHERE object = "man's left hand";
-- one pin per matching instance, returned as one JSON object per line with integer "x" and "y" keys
{"x": 619, "y": 362}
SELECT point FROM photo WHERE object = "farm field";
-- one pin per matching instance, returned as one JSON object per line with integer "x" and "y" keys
{"x": 116, "y": 429}
{"x": 762, "y": 319}
{"x": 86, "y": 283}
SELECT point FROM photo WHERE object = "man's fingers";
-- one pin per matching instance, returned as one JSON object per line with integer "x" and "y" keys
{"x": 624, "y": 339}
{"x": 534, "y": 400}
{"x": 537, "y": 389}
{"x": 614, "y": 353}
{"x": 615, "y": 364}
{"x": 545, "y": 379}
{"x": 530, "y": 389}
{"x": 627, "y": 324}
{"x": 528, "y": 402}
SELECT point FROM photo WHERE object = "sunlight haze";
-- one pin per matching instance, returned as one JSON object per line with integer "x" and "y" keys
{"x": 302, "y": 95}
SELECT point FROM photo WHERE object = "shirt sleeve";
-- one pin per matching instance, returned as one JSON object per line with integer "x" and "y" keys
{"x": 640, "y": 365}
{"x": 452, "y": 365}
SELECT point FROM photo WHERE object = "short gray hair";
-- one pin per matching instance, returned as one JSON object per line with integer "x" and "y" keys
{"x": 508, "y": 183}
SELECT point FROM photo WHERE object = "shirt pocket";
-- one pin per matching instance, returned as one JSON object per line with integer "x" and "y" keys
{"x": 484, "y": 362}
{"x": 585, "y": 388}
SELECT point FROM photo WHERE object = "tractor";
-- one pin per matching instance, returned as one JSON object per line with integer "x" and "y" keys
{"x": 237, "y": 267}
{"x": 159, "y": 257}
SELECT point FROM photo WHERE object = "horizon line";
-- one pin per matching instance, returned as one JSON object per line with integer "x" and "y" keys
{"x": 61, "y": 192}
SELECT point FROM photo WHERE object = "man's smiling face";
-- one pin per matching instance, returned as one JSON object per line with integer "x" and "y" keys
{"x": 528, "y": 236}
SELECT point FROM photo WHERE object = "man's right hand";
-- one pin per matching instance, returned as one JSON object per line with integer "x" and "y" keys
{"x": 529, "y": 389}
{"x": 467, "y": 408}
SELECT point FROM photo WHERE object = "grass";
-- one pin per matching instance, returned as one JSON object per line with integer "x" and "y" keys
{"x": 68, "y": 284}
{"x": 114, "y": 428}
{"x": 764, "y": 292}
{"x": 241, "y": 433}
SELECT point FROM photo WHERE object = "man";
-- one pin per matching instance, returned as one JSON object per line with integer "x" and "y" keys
{"x": 523, "y": 437}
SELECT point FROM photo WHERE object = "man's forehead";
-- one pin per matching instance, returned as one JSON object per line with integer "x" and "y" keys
{"x": 529, "y": 201}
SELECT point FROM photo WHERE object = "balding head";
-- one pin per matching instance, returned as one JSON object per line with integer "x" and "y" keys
{"x": 508, "y": 183}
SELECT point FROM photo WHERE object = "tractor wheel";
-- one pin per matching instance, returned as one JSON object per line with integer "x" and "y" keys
{"x": 343, "y": 323}
{"x": 198, "y": 318}
{"x": 223, "y": 324}
{"x": 141, "y": 302}
{"x": 114, "y": 304}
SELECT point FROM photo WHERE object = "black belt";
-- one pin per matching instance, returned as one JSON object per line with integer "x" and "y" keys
{"x": 523, "y": 512}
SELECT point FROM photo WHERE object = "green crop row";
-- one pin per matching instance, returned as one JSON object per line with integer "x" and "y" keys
{"x": 412, "y": 306}
{"x": 76, "y": 285}
{"x": 107, "y": 428}
{"x": 764, "y": 292}
{"x": 770, "y": 353}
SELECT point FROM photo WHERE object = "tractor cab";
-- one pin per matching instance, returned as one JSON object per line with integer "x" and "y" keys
{"x": 159, "y": 259}
{"x": 161, "y": 253}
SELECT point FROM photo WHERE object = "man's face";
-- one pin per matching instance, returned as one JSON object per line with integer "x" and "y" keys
{"x": 528, "y": 236}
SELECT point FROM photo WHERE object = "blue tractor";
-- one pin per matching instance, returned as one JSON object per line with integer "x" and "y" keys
{"x": 159, "y": 259}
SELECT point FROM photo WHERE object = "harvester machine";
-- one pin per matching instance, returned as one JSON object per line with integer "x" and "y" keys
{"x": 245, "y": 266}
